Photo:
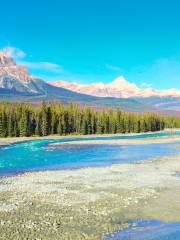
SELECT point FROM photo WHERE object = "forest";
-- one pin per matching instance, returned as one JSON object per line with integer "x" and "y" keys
{"x": 19, "y": 120}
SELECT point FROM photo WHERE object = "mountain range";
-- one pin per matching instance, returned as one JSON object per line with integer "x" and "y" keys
{"x": 17, "y": 84}
{"x": 119, "y": 88}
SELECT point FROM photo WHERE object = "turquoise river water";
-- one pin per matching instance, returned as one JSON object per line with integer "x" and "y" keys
{"x": 37, "y": 155}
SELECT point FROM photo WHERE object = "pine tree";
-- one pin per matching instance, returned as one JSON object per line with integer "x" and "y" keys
{"x": 26, "y": 120}
{"x": 44, "y": 120}
{"x": 23, "y": 125}
{"x": 4, "y": 123}
{"x": 1, "y": 126}
{"x": 11, "y": 123}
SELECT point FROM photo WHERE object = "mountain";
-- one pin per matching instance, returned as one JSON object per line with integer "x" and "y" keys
{"x": 16, "y": 78}
{"x": 16, "y": 84}
{"x": 165, "y": 101}
{"x": 119, "y": 88}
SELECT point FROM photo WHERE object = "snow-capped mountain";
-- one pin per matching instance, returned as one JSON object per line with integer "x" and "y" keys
{"x": 119, "y": 88}
{"x": 16, "y": 78}
{"x": 16, "y": 84}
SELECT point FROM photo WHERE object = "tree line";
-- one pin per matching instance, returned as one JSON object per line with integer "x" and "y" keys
{"x": 19, "y": 120}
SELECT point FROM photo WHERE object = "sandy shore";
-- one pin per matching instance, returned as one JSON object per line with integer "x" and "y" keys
{"x": 88, "y": 203}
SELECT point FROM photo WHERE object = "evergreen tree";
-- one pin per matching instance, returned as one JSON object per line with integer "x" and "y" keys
{"x": 23, "y": 126}
{"x": 26, "y": 120}
{"x": 44, "y": 120}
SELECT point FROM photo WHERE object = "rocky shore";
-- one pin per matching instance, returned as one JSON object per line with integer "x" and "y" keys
{"x": 88, "y": 203}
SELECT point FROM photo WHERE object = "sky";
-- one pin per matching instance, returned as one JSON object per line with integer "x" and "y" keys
{"x": 87, "y": 41}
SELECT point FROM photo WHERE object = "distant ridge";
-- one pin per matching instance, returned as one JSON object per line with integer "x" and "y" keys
{"x": 119, "y": 88}
{"x": 16, "y": 78}
{"x": 18, "y": 85}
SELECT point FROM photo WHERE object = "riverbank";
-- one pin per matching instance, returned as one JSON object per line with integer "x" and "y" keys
{"x": 88, "y": 203}
{"x": 13, "y": 140}
{"x": 168, "y": 139}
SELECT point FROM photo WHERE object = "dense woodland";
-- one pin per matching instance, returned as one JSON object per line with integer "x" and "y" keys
{"x": 18, "y": 120}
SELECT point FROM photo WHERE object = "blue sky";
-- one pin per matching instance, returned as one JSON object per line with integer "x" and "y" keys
{"x": 89, "y": 41}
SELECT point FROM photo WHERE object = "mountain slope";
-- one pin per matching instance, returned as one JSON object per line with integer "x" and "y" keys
{"x": 16, "y": 84}
{"x": 65, "y": 96}
{"x": 119, "y": 88}
{"x": 165, "y": 101}
{"x": 16, "y": 78}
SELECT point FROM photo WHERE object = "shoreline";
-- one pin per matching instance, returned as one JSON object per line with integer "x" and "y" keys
{"x": 91, "y": 202}
{"x": 14, "y": 140}
{"x": 73, "y": 202}
{"x": 152, "y": 140}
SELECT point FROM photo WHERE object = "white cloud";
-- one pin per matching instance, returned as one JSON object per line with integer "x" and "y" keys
{"x": 147, "y": 85}
{"x": 20, "y": 55}
{"x": 47, "y": 66}
{"x": 14, "y": 52}
{"x": 113, "y": 68}
{"x": 163, "y": 73}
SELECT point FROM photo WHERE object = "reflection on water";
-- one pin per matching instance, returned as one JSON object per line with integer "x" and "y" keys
{"x": 148, "y": 230}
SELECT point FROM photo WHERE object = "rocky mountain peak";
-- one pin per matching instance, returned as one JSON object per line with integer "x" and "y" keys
{"x": 6, "y": 60}
{"x": 118, "y": 88}
{"x": 15, "y": 77}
